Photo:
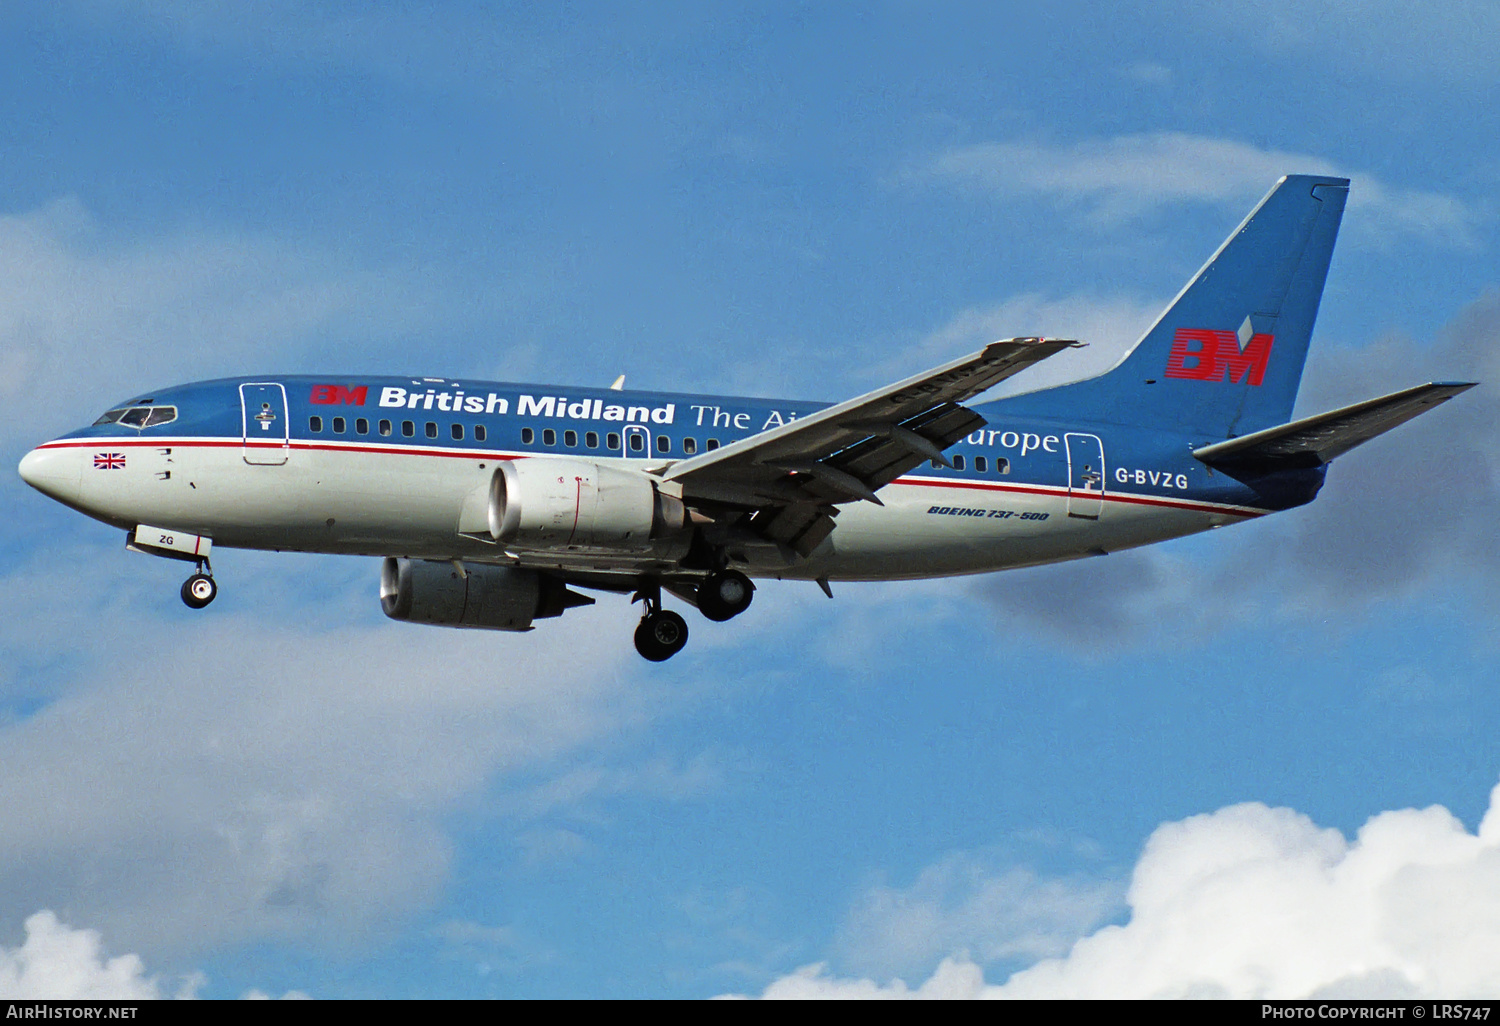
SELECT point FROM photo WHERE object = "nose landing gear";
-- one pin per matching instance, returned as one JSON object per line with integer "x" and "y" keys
{"x": 199, "y": 590}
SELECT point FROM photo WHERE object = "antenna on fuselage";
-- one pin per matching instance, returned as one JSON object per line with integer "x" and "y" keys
{"x": 618, "y": 385}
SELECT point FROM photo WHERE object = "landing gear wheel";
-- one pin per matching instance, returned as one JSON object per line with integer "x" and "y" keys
{"x": 198, "y": 591}
{"x": 661, "y": 635}
{"x": 724, "y": 595}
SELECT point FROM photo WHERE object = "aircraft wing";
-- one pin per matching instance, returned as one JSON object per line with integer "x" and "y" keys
{"x": 794, "y": 475}
{"x": 1314, "y": 441}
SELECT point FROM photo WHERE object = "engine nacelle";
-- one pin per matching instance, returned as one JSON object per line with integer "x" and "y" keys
{"x": 500, "y": 598}
{"x": 546, "y": 503}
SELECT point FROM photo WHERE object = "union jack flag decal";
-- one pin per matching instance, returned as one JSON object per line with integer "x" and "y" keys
{"x": 109, "y": 461}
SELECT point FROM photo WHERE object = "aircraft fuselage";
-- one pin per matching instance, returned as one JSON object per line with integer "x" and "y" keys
{"x": 383, "y": 466}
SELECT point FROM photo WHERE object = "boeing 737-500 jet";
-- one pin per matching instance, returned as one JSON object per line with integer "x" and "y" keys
{"x": 492, "y": 502}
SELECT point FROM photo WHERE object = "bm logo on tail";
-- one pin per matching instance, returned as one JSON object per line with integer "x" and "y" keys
{"x": 1207, "y": 354}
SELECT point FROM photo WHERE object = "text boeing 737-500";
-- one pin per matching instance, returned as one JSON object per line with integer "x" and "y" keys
{"x": 491, "y": 502}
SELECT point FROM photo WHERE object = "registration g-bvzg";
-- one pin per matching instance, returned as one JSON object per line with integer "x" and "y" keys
{"x": 1155, "y": 478}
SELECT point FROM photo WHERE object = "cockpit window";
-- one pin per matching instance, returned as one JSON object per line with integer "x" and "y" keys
{"x": 139, "y": 416}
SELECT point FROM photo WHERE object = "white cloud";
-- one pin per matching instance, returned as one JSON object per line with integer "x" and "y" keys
{"x": 95, "y": 318}
{"x": 1108, "y": 326}
{"x": 57, "y": 962}
{"x": 1259, "y": 902}
{"x": 955, "y": 979}
{"x": 658, "y": 776}
{"x": 1118, "y": 179}
{"x": 235, "y": 777}
{"x": 962, "y": 904}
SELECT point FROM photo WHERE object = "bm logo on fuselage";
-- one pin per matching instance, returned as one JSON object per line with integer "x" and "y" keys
{"x": 339, "y": 395}
{"x": 1206, "y": 354}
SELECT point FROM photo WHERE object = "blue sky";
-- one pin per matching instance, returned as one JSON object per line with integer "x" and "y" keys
{"x": 1065, "y": 780}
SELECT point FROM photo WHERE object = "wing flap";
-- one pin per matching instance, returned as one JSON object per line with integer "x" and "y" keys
{"x": 1314, "y": 441}
{"x": 801, "y": 526}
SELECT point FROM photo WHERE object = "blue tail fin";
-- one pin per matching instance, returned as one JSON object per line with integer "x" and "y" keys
{"x": 1226, "y": 357}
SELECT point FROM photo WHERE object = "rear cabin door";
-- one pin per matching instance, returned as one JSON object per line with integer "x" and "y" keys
{"x": 263, "y": 407}
{"x": 1085, "y": 475}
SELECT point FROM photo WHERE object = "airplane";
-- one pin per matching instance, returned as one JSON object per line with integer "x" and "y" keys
{"x": 490, "y": 503}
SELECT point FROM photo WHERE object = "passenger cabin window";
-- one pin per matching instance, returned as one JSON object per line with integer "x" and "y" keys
{"x": 479, "y": 432}
{"x": 713, "y": 443}
{"x": 958, "y": 463}
{"x": 663, "y": 443}
{"x": 591, "y": 439}
{"x": 385, "y": 427}
{"x": 1002, "y": 465}
{"x": 527, "y": 436}
{"x": 315, "y": 424}
{"x": 408, "y": 428}
{"x": 981, "y": 464}
{"x": 362, "y": 426}
{"x": 570, "y": 439}
{"x": 549, "y": 437}
{"x": 637, "y": 443}
{"x": 690, "y": 445}
{"x": 612, "y": 441}
{"x": 431, "y": 429}
{"x": 458, "y": 432}
{"x": 338, "y": 425}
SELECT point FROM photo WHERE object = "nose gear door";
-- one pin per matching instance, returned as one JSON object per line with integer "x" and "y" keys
{"x": 263, "y": 408}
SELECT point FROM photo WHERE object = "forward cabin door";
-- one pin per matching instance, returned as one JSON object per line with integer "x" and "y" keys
{"x": 1085, "y": 475}
{"x": 263, "y": 408}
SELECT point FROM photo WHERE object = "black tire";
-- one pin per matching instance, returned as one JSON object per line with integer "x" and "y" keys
{"x": 198, "y": 591}
{"x": 661, "y": 635}
{"x": 724, "y": 595}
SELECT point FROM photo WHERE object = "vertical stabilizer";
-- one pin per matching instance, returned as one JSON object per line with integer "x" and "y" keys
{"x": 1226, "y": 357}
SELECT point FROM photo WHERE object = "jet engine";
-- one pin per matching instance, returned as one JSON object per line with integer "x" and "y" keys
{"x": 501, "y": 598}
{"x": 544, "y": 503}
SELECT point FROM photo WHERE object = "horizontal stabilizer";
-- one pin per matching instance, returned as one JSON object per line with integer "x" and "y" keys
{"x": 1314, "y": 441}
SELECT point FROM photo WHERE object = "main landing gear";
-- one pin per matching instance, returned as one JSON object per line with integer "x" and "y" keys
{"x": 721, "y": 595}
{"x": 662, "y": 633}
{"x": 199, "y": 590}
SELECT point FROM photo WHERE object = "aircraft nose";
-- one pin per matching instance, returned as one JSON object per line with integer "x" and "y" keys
{"x": 53, "y": 472}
